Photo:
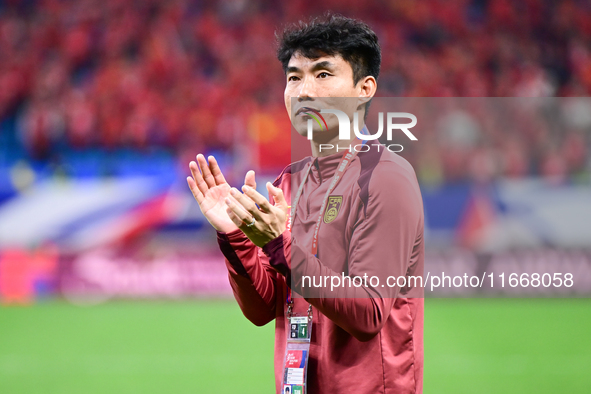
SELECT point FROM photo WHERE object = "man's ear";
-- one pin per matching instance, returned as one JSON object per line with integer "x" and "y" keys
{"x": 368, "y": 87}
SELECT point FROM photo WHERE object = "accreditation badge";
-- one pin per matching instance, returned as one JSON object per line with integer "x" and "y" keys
{"x": 297, "y": 351}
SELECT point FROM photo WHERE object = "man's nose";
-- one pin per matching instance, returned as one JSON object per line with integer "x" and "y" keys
{"x": 306, "y": 89}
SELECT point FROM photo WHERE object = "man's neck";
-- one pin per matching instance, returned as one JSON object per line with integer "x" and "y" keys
{"x": 335, "y": 145}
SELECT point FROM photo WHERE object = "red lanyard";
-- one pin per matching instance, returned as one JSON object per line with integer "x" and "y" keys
{"x": 343, "y": 165}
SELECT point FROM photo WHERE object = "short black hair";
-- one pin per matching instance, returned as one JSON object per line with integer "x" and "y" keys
{"x": 331, "y": 35}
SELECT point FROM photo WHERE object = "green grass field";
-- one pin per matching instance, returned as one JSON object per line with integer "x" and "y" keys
{"x": 471, "y": 346}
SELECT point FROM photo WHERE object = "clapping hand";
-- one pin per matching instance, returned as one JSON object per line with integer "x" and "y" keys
{"x": 210, "y": 189}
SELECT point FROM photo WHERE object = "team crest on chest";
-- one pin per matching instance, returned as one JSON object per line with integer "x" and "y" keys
{"x": 333, "y": 206}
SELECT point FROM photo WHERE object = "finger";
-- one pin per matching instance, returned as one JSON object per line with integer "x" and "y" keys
{"x": 201, "y": 185}
{"x": 215, "y": 171}
{"x": 247, "y": 203}
{"x": 235, "y": 219}
{"x": 249, "y": 179}
{"x": 205, "y": 172}
{"x": 239, "y": 210}
{"x": 258, "y": 198}
{"x": 277, "y": 194}
{"x": 195, "y": 190}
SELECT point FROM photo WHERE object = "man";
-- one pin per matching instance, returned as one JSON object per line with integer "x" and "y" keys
{"x": 368, "y": 220}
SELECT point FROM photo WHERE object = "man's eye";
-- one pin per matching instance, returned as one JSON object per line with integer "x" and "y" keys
{"x": 323, "y": 75}
{"x": 292, "y": 78}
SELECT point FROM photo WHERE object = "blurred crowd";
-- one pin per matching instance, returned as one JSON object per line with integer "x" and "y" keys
{"x": 196, "y": 76}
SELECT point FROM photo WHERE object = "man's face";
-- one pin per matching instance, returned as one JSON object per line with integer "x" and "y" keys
{"x": 321, "y": 84}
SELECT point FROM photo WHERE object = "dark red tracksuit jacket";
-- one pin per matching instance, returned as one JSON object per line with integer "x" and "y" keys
{"x": 364, "y": 339}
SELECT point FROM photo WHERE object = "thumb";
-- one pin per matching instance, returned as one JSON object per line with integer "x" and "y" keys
{"x": 277, "y": 194}
{"x": 249, "y": 179}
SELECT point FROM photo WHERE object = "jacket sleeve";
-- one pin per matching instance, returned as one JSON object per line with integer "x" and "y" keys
{"x": 384, "y": 241}
{"x": 253, "y": 281}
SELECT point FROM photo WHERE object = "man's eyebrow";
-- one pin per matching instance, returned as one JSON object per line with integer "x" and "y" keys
{"x": 323, "y": 65}
{"x": 326, "y": 65}
{"x": 292, "y": 69}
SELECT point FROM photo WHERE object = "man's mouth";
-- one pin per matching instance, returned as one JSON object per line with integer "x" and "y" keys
{"x": 307, "y": 109}
{"x": 314, "y": 114}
